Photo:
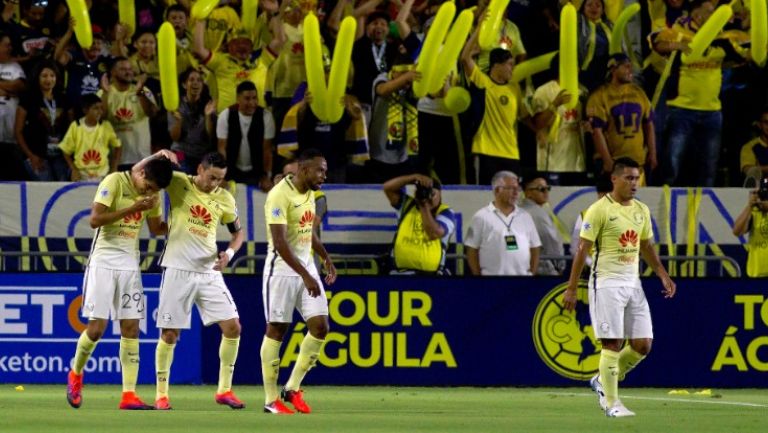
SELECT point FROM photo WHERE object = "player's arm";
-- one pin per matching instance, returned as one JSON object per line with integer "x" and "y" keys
{"x": 280, "y": 240}
{"x": 650, "y": 256}
{"x": 569, "y": 298}
{"x": 157, "y": 226}
{"x": 164, "y": 153}
{"x": 100, "y": 214}
{"x": 319, "y": 248}
{"x": 236, "y": 230}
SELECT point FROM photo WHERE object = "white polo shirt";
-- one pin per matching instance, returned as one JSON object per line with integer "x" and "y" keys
{"x": 504, "y": 242}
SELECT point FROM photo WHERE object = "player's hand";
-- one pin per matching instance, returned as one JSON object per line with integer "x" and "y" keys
{"x": 165, "y": 153}
{"x": 669, "y": 286}
{"x": 312, "y": 286}
{"x": 145, "y": 203}
{"x": 330, "y": 270}
{"x": 222, "y": 262}
{"x": 569, "y": 298}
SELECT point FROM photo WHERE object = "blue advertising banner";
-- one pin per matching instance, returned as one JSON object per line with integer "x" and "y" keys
{"x": 508, "y": 331}
{"x": 40, "y": 323}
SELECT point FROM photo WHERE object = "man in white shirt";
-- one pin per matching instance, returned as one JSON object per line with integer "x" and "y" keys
{"x": 247, "y": 145}
{"x": 502, "y": 238}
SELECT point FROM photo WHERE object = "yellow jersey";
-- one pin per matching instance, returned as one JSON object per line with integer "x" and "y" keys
{"x": 90, "y": 146}
{"x": 616, "y": 231}
{"x": 192, "y": 224}
{"x": 497, "y": 134}
{"x": 757, "y": 254}
{"x": 285, "y": 205}
{"x": 115, "y": 245}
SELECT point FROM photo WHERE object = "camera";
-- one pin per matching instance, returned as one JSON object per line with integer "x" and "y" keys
{"x": 424, "y": 193}
{"x": 762, "y": 192}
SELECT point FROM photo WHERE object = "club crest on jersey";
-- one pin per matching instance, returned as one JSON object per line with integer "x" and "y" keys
{"x": 628, "y": 238}
{"x": 586, "y": 226}
{"x": 200, "y": 215}
{"x": 276, "y": 212}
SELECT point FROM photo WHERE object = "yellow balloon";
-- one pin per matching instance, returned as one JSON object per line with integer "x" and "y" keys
{"x": 617, "y": 35}
{"x": 457, "y": 100}
{"x": 337, "y": 80}
{"x": 759, "y": 31}
{"x": 249, "y": 14}
{"x": 532, "y": 66}
{"x": 202, "y": 8}
{"x": 169, "y": 80}
{"x": 569, "y": 69}
{"x": 707, "y": 33}
{"x": 313, "y": 62}
{"x": 79, "y": 11}
{"x": 449, "y": 53}
{"x": 491, "y": 26}
{"x": 127, "y": 11}
{"x": 431, "y": 48}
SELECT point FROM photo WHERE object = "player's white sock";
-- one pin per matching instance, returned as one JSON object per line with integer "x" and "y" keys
{"x": 308, "y": 354}
{"x": 270, "y": 367}
{"x": 84, "y": 349}
{"x": 227, "y": 357}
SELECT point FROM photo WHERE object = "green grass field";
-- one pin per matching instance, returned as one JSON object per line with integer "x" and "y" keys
{"x": 388, "y": 409}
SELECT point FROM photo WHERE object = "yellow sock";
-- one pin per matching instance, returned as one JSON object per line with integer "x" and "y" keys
{"x": 227, "y": 358}
{"x": 163, "y": 361}
{"x": 609, "y": 375}
{"x": 270, "y": 366}
{"x": 310, "y": 350}
{"x": 129, "y": 362}
{"x": 628, "y": 360}
{"x": 84, "y": 349}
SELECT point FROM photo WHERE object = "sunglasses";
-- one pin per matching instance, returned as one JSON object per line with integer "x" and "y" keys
{"x": 541, "y": 188}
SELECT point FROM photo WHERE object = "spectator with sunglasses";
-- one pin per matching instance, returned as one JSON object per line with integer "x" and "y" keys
{"x": 536, "y": 203}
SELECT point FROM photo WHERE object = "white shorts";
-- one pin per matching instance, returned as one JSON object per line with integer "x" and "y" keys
{"x": 112, "y": 294}
{"x": 281, "y": 294}
{"x": 180, "y": 289}
{"x": 620, "y": 312}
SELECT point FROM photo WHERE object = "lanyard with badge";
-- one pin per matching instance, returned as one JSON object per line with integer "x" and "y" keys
{"x": 53, "y": 140}
{"x": 378, "y": 56}
{"x": 509, "y": 239}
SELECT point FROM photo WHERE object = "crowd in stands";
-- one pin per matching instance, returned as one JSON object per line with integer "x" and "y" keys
{"x": 70, "y": 113}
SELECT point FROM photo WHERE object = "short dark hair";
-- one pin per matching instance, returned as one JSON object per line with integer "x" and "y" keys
{"x": 175, "y": 8}
{"x": 88, "y": 101}
{"x": 245, "y": 86}
{"x": 529, "y": 178}
{"x": 309, "y": 154}
{"x": 620, "y": 164}
{"x": 498, "y": 55}
{"x": 159, "y": 171}
{"x": 214, "y": 159}
{"x": 115, "y": 61}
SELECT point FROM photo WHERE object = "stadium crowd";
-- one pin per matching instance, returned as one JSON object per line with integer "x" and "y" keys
{"x": 685, "y": 123}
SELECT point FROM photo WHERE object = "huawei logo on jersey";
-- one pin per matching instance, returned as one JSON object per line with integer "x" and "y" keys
{"x": 132, "y": 218}
{"x": 124, "y": 114}
{"x": 91, "y": 157}
{"x": 628, "y": 238}
{"x": 201, "y": 214}
{"x": 306, "y": 219}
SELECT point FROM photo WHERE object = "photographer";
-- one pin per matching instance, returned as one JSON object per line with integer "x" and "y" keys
{"x": 754, "y": 220}
{"x": 424, "y": 226}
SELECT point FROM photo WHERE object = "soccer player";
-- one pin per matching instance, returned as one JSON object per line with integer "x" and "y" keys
{"x": 620, "y": 228}
{"x": 291, "y": 279}
{"x": 112, "y": 284}
{"x": 192, "y": 272}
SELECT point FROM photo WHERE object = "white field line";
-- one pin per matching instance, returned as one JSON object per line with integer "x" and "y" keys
{"x": 676, "y": 400}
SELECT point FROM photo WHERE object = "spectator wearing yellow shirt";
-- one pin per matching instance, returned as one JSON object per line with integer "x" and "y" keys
{"x": 90, "y": 146}
{"x": 237, "y": 65}
{"x": 495, "y": 142}
{"x": 754, "y": 154}
{"x": 753, "y": 220}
